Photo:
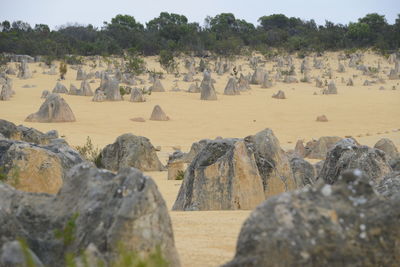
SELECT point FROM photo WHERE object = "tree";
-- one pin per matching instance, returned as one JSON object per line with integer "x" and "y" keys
{"x": 167, "y": 61}
{"x": 134, "y": 64}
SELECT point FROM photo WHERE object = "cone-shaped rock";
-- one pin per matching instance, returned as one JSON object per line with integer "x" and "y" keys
{"x": 243, "y": 84}
{"x": 137, "y": 95}
{"x": 158, "y": 114}
{"x": 207, "y": 88}
{"x": 54, "y": 109}
{"x": 279, "y": 95}
{"x": 331, "y": 90}
{"x": 60, "y": 89}
{"x": 85, "y": 89}
{"x": 157, "y": 86}
{"x": 231, "y": 87}
{"x": 99, "y": 96}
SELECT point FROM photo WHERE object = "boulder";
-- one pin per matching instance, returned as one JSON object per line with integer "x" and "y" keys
{"x": 317, "y": 149}
{"x": 207, "y": 91}
{"x": 331, "y": 90}
{"x": 99, "y": 96}
{"x": 54, "y": 109}
{"x": 258, "y": 76}
{"x": 106, "y": 211}
{"x": 24, "y": 72}
{"x": 158, "y": 114}
{"x": 13, "y": 253}
{"x": 303, "y": 172}
{"x": 157, "y": 86}
{"x": 345, "y": 224}
{"x": 137, "y": 95}
{"x": 279, "y": 95}
{"x": 85, "y": 89}
{"x": 30, "y": 135}
{"x": 45, "y": 94}
{"x": 347, "y": 154}
{"x": 130, "y": 150}
{"x": 60, "y": 89}
{"x": 231, "y": 87}
{"x": 243, "y": 84}
{"x": 387, "y": 146}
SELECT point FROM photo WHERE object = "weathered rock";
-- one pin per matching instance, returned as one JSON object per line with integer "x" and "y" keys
{"x": 350, "y": 82}
{"x": 45, "y": 94}
{"x": 6, "y": 92}
{"x": 331, "y": 90}
{"x": 130, "y": 150}
{"x": 222, "y": 176}
{"x": 279, "y": 95}
{"x": 303, "y": 172}
{"x": 389, "y": 186}
{"x": 99, "y": 96}
{"x": 231, "y": 87}
{"x": 322, "y": 118}
{"x": 207, "y": 91}
{"x": 32, "y": 135}
{"x": 158, "y": 114}
{"x": 331, "y": 225}
{"x": 300, "y": 149}
{"x": 80, "y": 75}
{"x": 347, "y": 154}
{"x": 85, "y": 89}
{"x": 319, "y": 83}
{"x": 107, "y": 210}
{"x": 137, "y": 95}
{"x": 110, "y": 87}
{"x": 60, "y": 89}
{"x": 73, "y": 90}
{"x": 176, "y": 164}
{"x": 387, "y": 146}
{"x": 54, "y": 109}
{"x": 138, "y": 119}
{"x": 24, "y": 72}
{"x": 317, "y": 149}
{"x": 9, "y": 130}
{"x": 243, "y": 84}
{"x": 194, "y": 88}
{"x": 266, "y": 82}
{"x": 258, "y": 76}
{"x": 14, "y": 254}
{"x": 157, "y": 86}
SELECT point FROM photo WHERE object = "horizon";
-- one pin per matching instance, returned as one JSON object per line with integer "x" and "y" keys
{"x": 251, "y": 11}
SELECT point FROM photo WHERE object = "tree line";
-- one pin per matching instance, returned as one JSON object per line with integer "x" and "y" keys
{"x": 223, "y": 34}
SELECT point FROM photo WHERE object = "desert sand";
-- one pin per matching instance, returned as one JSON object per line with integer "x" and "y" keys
{"x": 209, "y": 238}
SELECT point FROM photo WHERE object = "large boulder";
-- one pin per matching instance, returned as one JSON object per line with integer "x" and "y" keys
{"x": 347, "y": 154}
{"x": 130, "y": 150}
{"x": 317, "y": 149}
{"x": 223, "y": 176}
{"x": 207, "y": 90}
{"x": 258, "y": 76}
{"x": 303, "y": 171}
{"x": 226, "y": 172}
{"x": 24, "y": 72}
{"x": 54, "y": 109}
{"x": 345, "y": 224}
{"x": 387, "y": 146}
{"x": 95, "y": 210}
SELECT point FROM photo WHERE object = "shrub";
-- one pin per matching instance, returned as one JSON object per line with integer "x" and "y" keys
{"x": 11, "y": 177}
{"x": 134, "y": 63}
{"x": 168, "y": 62}
{"x": 63, "y": 70}
{"x": 90, "y": 153}
{"x": 180, "y": 175}
{"x": 73, "y": 59}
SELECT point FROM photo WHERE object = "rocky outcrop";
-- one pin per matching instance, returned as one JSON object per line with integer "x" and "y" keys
{"x": 387, "y": 146}
{"x": 207, "y": 90}
{"x": 303, "y": 172}
{"x": 60, "y": 89}
{"x": 130, "y": 150}
{"x": 158, "y": 114}
{"x": 347, "y": 154}
{"x": 137, "y": 95}
{"x": 105, "y": 210}
{"x": 235, "y": 174}
{"x": 24, "y": 72}
{"x": 345, "y": 224}
{"x": 54, "y": 109}
{"x": 231, "y": 87}
{"x": 317, "y": 149}
{"x": 157, "y": 86}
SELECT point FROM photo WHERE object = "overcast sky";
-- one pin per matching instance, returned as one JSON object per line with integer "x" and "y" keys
{"x": 60, "y": 12}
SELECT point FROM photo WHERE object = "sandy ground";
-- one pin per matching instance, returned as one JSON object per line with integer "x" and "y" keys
{"x": 209, "y": 238}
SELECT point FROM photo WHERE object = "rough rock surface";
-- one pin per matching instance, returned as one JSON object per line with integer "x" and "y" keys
{"x": 107, "y": 209}
{"x": 54, "y": 109}
{"x": 24, "y": 72}
{"x": 99, "y": 96}
{"x": 345, "y": 224}
{"x": 157, "y": 86}
{"x": 347, "y": 154}
{"x": 390, "y": 185}
{"x": 317, "y": 149}
{"x": 60, "y": 89}
{"x": 137, "y": 95}
{"x": 207, "y": 90}
{"x": 258, "y": 76}
{"x": 130, "y": 150}
{"x": 158, "y": 114}
{"x": 303, "y": 172}
{"x": 231, "y": 87}
{"x": 387, "y": 146}
{"x": 331, "y": 90}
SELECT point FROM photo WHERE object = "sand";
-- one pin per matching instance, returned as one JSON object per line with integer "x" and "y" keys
{"x": 209, "y": 238}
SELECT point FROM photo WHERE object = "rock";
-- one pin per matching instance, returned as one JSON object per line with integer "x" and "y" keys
{"x": 110, "y": 88}
{"x": 157, "y": 86}
{"x": 272, "y": 163}
{"x": 9, "y": 130}
{"x": 347, "y": 154}
{"x": 137, "y": 95}
{"x": 130, "y": 150}
{"x": 24, "y": 72}
{"x": 45, "y": 93}
{"x": 387, "y": 146}
{"x": 279, "y": 95}
{"x": 54, "y": 109}
{"x": 11, "y": 71}
{"x": 32, "y": 135}
{"x": 194, "y": 88}
{"x": 231, "y": 87}
{"x": 207, "y": 88}
{"x": 331, "y": 90}
{"x": 99, "y": 96}
{"x": 390, "y": 185}
{"x": 367, "y": 83}
{"x": 290, "y": 79}
{"x": 350, "y": 82}
{"x": 73, "y": 90}
{"x": 158, "y": 114}
{"x": 322, "y": 118}
{"x": 6, "y": 92}
{"x": 266, "y": 82}
{"x": 107, "y": 211}
{"x": 331, "y": 225}
{"x": 223, "y": 176}
{"x": 188, "y": 77}
{"x": 85, "y": 89}
{"x": 318, "y": 167}
{"x": 318, "y": 149}
{"x": 176, "y": 164}
{"x": 14, "y": 254}
{"x": 319, "y": 83}
{"x": 138, "y": 119}
{"x": 80, "y": 75}
{"x": 300, "y": 149}
{"x": 60, "y": 89}
{"x": 258, "y": 76}
{"x": 303, "y": 172}
{"x": 341, "y": 68}
{"x": 243, "y": 84}
{"x": 393, "y": 75}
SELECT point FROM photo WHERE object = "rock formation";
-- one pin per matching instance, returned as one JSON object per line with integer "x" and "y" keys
{"x": 158, "y": 114}
{"x": 60, "y": 89}
{"x": 207, "y": 88}
{"x": 137, "y": 95}
{"x": 231, "y": 87}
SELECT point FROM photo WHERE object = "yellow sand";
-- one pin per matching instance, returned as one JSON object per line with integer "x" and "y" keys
{"x": 209, "y": 238}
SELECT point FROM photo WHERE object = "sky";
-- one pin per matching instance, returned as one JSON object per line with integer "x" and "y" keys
{"x": 60, "y": 12}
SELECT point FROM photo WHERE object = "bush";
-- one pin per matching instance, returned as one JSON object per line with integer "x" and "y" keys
{"x": 180, "y": 175}
{"x": 11, "y": 177}
{"x": 73, "y": 60}
{"x": 168, "y": 62}
{"x": 63, "y": 70}
{"x": 90, "y": 153}
{"x": 134, "y": 63}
